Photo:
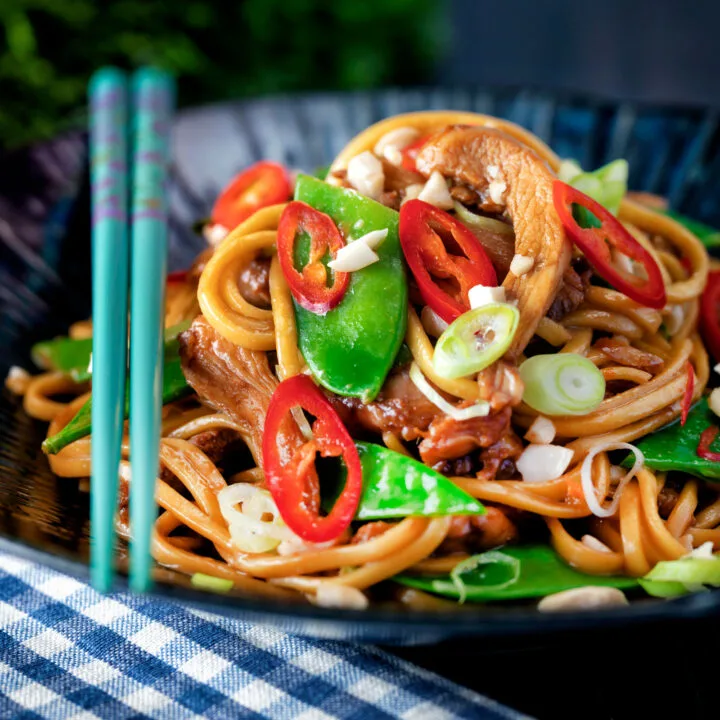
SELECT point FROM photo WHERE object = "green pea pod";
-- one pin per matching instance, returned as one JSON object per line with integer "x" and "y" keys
{"x": 174, "y": 387}
{"x": 65, "y": 354}
{"x": 708, "y": 236}
{"x": 674, "y": 447}
{"x": 513, "y": 573}
{"x": 72, "y": 357}
{"x": 350, "y": 349}
{"x": 397, "y": 486}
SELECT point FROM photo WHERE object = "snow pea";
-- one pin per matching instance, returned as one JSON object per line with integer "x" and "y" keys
{"x": 65, "y": 354}
{"x": 395, "y": 485}
{"x": 351, "y": 348}
{"x": 514, "y": 573}
{"x": 674, "y": 447}
{"x": 72, "y": 357}
{"x": 174, "y": 387}
{"x": 708, "y": 236}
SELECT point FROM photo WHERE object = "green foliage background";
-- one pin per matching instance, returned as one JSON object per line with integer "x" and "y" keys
{"x": 218, "y": 49}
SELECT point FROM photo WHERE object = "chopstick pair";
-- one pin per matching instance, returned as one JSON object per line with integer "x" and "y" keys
{"x": 129, "y": 156}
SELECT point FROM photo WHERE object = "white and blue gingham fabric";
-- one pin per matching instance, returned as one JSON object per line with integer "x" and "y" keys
{"x": 69, "y": 652}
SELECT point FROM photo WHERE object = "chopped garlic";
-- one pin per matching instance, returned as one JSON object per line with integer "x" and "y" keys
{"x": 214, "y": 234}
{"x": 398, "y": 138}
{"x": 354, "y": 256}
{"x": 365, "y": 174}
{"x": 480, "y": 295}
{"x": 436, "y": 192}
{"x": 583, "y": 598}
{"x": 393, "y": 155}
{"x": 493, "y": 170}
{"x": 521, "y": 264}
{"x": 541, "y": 432}
{"x": 540, "y": 463}
{"x": 331, "y": 595}
{"x": 594, "y": 544}
{"x": 714, "y": 401}
{"x": 17, "y": 380}
{"x": 496, "y": 190}
{"x": 717, "y": 368}
{"x": 374, "y": 238}
{"x": 412, "y": 192}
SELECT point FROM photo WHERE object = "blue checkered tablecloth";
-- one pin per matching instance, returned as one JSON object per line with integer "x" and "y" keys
{"x": 69, "y": 652}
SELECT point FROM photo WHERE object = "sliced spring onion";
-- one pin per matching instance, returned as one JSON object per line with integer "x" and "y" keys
{"x": 478, "y": 409}
{"x": 607, "y": 185}
{"x": 691, "y": 573}
{"x": 211, "y": 583}
{"x": 562, "y": 384}
{"x": 539, "y": 463}
{"x": 493, "y": 557}
{"x": 588, "y": 487}
{"x": 249, "y": 529}
{"x": 475, "y": 340}
{"x": 474, "y": 220}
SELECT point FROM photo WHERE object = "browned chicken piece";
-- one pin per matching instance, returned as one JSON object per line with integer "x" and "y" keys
{"x": 397, "y": 177}
{"x": 214, "y": 443}
{"x": 500, "y": 385}
{"x": 391, "y": 199}
{"x": 571, "y": 294}
{"x": 475, "y": 533}
{"x": 199, "y": 264}
{"x": 499, "y": 246}
{"x": 656, "y": 202}
{"x": 235, "y": 381}
{"x": 253, "y": 282}
{"x": 492, "y": 163}
{"x": 399, "y": 408}
{"x": 447, "y": 439}
{"x": 622, "y": 353}
{"x": 498, "y": 461}
{"x": 369, "y": 531}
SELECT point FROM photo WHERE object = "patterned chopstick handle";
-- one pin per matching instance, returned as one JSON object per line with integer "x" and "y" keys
{"x": 110, "y": 250}
{"x": 153, "y": 102}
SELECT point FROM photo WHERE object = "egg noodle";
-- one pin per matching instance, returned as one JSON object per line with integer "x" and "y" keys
{"x": 653, "y": 522}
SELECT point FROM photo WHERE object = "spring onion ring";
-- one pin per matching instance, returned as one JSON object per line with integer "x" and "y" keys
{"x": 475, "y": 340}
{"x": 563, "y": 384}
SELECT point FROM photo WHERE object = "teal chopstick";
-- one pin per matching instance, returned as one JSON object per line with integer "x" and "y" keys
{"x": 153, "y": 97}
{"x": 108, "y": 170}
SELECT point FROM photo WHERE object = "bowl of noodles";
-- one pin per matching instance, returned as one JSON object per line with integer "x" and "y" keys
{"x": 428, "y": 372}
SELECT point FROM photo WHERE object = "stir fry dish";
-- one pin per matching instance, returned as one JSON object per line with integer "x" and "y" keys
{"x": 450, "y": 368}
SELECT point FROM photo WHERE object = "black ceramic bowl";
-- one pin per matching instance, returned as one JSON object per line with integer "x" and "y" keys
{"x": 45, "y": 285}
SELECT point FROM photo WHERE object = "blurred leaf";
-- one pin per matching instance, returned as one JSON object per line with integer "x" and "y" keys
{"x": 20, "y": 36}
{"x": 218, "y": 50}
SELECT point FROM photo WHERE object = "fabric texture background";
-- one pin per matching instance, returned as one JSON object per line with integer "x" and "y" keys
{"x": 67, "y": 651}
